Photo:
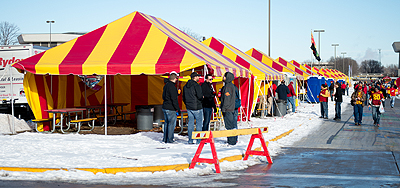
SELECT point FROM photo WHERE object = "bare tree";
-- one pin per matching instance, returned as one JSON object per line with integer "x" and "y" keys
{"x": 192, "y": 34}
{"x": 391, "y": 70}
{"x": 343, "y": 64}
{"x": 371, "y": 66}
{"x": 8, "y": 33}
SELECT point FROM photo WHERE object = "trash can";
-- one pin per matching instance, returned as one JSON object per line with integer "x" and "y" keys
{"x": 144, "y": 116}
{"x": 158, "y": 114}
{"x": 280, "y": 108}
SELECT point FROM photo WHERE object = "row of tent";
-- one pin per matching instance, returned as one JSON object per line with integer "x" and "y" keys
{"x": 133, "y": 53}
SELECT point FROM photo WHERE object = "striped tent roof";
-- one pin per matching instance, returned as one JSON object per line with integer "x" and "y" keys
{"x": 258, "y": 68}
{"x": 309, "y": 69}
{"x": 132, "y": 45}
{"x": 298, "y": 71}
{"x": 261, "y": 56}
{"x": 298, "y": 65}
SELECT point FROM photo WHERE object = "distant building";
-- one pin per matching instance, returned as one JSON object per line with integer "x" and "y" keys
{"x": 324, "y": 65}
{"x": 44, "y": 39}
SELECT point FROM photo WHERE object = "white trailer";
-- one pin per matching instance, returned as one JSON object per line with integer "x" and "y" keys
{"x": 8, "y": 55}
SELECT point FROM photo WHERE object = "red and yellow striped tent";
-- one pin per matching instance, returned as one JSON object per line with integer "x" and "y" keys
{"x": 260, "y": 56}
{"x": 137, "y": 44}
{"x": 306, "y": 72}
{"x": 261, "y": 71}
{"x": 299, "y": 73}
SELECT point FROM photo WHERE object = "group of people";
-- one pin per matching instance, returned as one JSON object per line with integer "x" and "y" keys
{"x": 335, "y": 91}
{"x": 374, "y": 96}
{"x": 200, "y": 102}
{"x": 284, "y": 93}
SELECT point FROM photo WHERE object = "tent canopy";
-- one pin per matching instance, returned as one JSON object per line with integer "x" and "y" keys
{"x": 132, "y": 45}
{"x": 258, "y": 68}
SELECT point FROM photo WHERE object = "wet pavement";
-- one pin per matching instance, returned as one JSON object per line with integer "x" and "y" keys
{"x": 339, "y": 154}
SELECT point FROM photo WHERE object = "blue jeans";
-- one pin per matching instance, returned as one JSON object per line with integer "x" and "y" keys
{"x": 169, "y": 126}
{"x": 338, "y": 110}
{"x": 290, "y": 102}
{"x": 392, "y": 100}
{"x": 230, "y": 119}
{"x": 198, "y": 115}
{"x": 207, "y": 112}
{"x": 376, "y": 115}
{"x": 358, "y": 113}
{"x": 324, "y": 109}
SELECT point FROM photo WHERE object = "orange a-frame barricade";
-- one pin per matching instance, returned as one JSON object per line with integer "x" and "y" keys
{"x": 208, "y": 137}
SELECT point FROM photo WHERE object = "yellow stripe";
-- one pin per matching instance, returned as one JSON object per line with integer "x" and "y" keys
{"x": 190, "y": 61}
{"x": 53, "y": 57}
{"x": 227, "y": 133}
{"x": 150, "y": 52}
{"x": 105, "y": 48}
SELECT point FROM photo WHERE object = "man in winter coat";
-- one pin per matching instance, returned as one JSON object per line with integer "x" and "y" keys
{"x": 291, "y": 97}
{"x": 170, "y": 107}
{"x": 338, "y": 93}
{"x": 323, "y": 100}
{"x": 192, "y": 97}
{"x": 208, "y": 100}
{"x": 359, "y": 98}
{"x": 282, "y": 91}
{"x": 331, "y": 88}
{"x": 376, "y": 98}
{"x": 228, "y": 108}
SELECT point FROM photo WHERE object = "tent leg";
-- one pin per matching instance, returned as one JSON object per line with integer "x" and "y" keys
{"x": 105, "y": 104}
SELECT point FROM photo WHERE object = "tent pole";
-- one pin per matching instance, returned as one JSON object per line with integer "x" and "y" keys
{"x": 248, "y": 101}
{"x": 12, "y": 99}
{"x": 105, "y": 104}
{"x": 85, "y": 90}
{"x": 240, "y": 94}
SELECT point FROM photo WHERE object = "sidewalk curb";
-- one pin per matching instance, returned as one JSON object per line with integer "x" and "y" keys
{"x": 152, "y": 169}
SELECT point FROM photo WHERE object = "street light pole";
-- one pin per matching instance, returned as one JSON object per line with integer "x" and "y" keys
{"x": 343, "y": 62}
{"x": 269, "y": 28}
{"x": 335, "y": 45}
{"x": 319, "y": 42}
{"x": 50, "y": 22}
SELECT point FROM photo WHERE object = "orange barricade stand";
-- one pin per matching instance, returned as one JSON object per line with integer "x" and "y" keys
{"x": 208, "y": 137}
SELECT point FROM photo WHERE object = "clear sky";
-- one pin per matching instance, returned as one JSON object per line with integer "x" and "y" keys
{"x": 360, "y": 27}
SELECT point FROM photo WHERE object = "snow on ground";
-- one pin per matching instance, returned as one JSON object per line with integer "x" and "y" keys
{"x": 146, "y": 149}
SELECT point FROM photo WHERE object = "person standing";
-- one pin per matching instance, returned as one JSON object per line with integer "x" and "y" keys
{"x": 323, "y": 100}
{"x": 338, "y": 93}
{"x": 170, "y": 107}
{"x": 208, "y": 101}
{"x": 347, "y": 89}
{"x": 375, "y": 101}
{"x": 229, "y": 94}
{"x": 282, "y": 92}
{"x": 331, "y": 88}
{"x": 393, "y": 92}
{"x": 271, "y": 97}
{"x": 291, "y": 97}
{"x": 192, "y": 97}
{"x": 359, "y": 98}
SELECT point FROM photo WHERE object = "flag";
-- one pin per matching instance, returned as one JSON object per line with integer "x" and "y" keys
{"x": 314, "y": 49}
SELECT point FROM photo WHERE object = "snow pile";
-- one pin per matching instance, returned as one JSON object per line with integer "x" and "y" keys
{"x": 6, "y": 126}
{"x": 147, "y": 149}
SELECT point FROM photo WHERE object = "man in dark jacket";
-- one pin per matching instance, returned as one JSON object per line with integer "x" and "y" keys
{"x": 282, "y": 91}
{"x": 229, "y": 111}
{"x": 192, "y": 97}
{"x": 338, "y": 93}
{"x": 331, "y": 88}
{"x": 170, "y": 107}
{"x": 208, "y": 100}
